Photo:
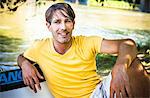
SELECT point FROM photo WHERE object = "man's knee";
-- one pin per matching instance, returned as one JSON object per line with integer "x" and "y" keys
{"x": 139, "y": 79}
{"x": 137, "y": 68}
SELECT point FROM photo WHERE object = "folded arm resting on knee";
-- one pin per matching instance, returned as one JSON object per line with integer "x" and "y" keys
{"x": 126, "y": 51}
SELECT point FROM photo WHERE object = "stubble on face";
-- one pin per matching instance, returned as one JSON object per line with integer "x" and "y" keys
{"x": 61, "y": 27}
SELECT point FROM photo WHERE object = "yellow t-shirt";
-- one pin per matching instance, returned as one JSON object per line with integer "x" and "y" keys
{"x": 73, "y": 74}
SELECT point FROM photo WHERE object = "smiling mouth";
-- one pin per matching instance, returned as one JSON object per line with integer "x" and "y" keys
{"x": 64, "y": 34}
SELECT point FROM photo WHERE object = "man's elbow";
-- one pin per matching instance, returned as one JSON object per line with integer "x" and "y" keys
{"x": 130, "y": 42}
{"x": 130, "y": 45}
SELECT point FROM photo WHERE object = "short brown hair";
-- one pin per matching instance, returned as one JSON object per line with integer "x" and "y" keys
{"x": 59, "y": 6}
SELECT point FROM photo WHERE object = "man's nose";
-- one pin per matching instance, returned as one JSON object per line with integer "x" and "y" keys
{"x": 63, "y": 26}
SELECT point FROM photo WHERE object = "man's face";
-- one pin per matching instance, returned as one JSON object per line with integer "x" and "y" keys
{"x": 61, "y": 27}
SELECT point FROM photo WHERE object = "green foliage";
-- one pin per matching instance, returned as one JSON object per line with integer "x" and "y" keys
{"x": 10, "y": 5}
{"x": 144, "y": 46}
{"x": 104, "y": 63}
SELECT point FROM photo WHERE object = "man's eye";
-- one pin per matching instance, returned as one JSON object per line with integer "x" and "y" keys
{"x": 57, "y": 22}
{"x": 68, "y": 20}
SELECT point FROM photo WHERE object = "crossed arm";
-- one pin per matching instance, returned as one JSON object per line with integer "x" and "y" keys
{"x": 126, "y": 51}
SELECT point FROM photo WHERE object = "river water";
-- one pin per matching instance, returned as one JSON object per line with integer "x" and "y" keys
{"x": 19, "y": 29}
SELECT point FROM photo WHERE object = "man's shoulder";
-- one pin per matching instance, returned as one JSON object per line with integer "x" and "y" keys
{"x": 40, "y": 42}
{"x": 81, "y": 37}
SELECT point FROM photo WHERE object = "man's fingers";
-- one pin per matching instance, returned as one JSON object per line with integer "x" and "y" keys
{"x": 39, "y": 75}
{"x": 38, "y": 86}
{"x": 32, "y": 85}
{"x": 36, "y": 80}
{"x": 27, "y": 81}
{"x": 112, "y": 92}
{"x": 128, "y": 91}
{"x": 123, "y": 93}
{"x": 24, "y": 81}
{"x": 118, "y": 95}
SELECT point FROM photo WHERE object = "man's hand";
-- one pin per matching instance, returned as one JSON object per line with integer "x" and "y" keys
{"x": 31, "y": 75}
{"x": 120, "y": 85}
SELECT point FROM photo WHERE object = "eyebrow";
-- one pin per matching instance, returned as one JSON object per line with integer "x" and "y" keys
{"x": 55, "y": 19}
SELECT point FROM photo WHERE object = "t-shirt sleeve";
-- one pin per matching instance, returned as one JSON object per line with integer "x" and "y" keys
{"x": 95, "y": 42}
{"x": 88, "y": 47}
{"x": 31, "y": 53}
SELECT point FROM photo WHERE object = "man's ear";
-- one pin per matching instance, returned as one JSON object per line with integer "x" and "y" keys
{"x": 48, "y": 24}
{"x": 74, "y": 22}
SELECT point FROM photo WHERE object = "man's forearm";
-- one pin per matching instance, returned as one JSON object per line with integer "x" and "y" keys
{"x": 22, "y": 59}
{"x": 127, "y": 53}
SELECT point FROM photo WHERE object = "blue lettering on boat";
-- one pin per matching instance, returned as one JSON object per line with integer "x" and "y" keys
{"x": 10, "y": 77}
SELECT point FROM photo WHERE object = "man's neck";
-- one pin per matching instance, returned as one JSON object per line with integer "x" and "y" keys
{"x": 61, "y": 48}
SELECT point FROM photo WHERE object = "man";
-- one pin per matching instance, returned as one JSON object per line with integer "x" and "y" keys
{"x": 69, "y": 66}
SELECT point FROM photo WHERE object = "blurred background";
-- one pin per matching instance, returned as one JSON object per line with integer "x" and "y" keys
{"x": 23, "y": 21}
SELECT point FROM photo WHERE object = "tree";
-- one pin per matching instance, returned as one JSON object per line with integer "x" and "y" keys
{"x": 10, "y": 5}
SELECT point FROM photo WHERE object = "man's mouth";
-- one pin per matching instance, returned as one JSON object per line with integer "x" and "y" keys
{"x": 63, "y": 34}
